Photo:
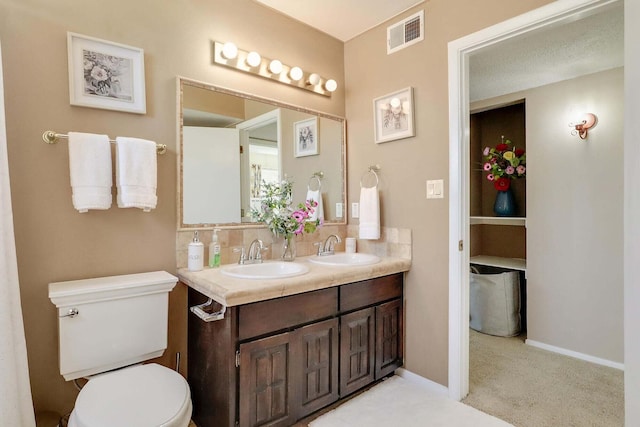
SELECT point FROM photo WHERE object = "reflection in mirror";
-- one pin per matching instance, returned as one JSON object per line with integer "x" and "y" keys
{"x": 232, "y": 142}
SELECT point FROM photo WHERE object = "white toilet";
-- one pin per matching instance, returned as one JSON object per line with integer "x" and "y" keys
{"x": 107, "y": 327}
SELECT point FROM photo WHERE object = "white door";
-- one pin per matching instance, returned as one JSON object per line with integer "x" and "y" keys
{"x": 211, "y": 165}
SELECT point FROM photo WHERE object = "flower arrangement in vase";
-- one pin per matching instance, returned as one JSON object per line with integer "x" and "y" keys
{"x": 503, "y": 163}
{"x": 277, "y": 213}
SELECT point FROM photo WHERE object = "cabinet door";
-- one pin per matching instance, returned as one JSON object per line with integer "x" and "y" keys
{"x": 317, "y": 366}
{"x": 265, "y": 382}
{"x": 357, "y": 340}
{"x": 388, "y": 337}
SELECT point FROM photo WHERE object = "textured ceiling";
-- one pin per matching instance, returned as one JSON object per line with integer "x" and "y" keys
{"x": 562, "y": 52}
{"x": 342, "y": 19}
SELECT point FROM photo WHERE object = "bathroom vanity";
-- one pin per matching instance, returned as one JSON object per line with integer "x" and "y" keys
{"x": 286, "y": 348}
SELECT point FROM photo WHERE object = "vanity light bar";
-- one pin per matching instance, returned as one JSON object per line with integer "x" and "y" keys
{"x": 229, "y": 55}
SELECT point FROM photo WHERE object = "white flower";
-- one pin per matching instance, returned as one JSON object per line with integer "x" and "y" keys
{"x": 99, "y": 74}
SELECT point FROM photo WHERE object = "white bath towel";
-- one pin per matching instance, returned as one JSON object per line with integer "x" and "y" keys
{"x": 136, "y": 173}
{"x": 369, "y": 213}
{"x": 90, "y": 171}
{"x": 318, "y": 212}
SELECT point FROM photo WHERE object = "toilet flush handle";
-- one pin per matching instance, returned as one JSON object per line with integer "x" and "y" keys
{"x": 73, "y": 312}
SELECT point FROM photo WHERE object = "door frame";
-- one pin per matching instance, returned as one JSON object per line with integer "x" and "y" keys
{"x": 554, "y": 13}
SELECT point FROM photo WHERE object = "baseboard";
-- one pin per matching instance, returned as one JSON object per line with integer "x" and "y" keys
{"x": 423, "y": 382}
{"x": 575, "y": 354}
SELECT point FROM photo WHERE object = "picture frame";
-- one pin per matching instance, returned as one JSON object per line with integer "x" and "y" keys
{"x": 305, "y": 137}
{"x": 104, "y": 74}
{"x": 393, "y": 116}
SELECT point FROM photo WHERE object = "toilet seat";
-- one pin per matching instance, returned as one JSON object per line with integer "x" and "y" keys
{"x": 140, "y": 396}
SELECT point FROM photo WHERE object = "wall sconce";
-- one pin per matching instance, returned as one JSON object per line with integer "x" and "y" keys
{"x": 229, "y": 55}
{"x": 582, "y": 127}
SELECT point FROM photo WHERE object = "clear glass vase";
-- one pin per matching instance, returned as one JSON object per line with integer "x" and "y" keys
{"x": 289, "y": 248}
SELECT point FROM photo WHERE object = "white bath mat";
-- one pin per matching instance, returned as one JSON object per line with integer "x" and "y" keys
{"x": 400, "y": 402}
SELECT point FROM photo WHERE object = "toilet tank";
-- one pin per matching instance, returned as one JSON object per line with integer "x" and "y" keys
{"x": 120, "y": 320}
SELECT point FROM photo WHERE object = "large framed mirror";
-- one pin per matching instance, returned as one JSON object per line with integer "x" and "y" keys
{"x": 230, "y": 143}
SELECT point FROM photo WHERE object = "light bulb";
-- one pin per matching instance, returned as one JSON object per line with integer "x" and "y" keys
{"x": 331, "y": 85}
{"x": 314, "y": 79}
{"x": 275, "y": 66}
{"x": 229, "y": 50}
{"x": 254, "y": 59}
{"x": 296, "y": 73}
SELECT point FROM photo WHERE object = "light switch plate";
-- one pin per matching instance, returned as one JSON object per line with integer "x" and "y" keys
{"x": 339, "y": 210}
{"x": 435, "y": 189}
{"x": 355, "y": 210}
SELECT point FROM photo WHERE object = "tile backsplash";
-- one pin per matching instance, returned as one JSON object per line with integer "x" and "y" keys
{"x": 394, "y": 242}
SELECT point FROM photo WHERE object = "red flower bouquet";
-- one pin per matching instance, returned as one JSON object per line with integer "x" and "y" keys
{"x": 504, "y": 163}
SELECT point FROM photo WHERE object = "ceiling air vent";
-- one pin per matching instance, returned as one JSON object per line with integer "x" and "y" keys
{"x": 405, "y": 33}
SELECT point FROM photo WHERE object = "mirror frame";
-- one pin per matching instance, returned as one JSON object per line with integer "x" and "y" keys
{"x": 180, "y": 81}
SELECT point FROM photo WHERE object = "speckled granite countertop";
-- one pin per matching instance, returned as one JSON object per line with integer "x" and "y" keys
{"x": 232, "y": 291}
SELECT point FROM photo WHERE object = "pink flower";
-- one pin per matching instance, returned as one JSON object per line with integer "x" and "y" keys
{"x": 487, "y": 166}
{"x": 486, "y": 151}
{"x": 490, "y": 177}
{"x": 521, "y": 169}
{"x": 510, "y": 170}
{"x": 298, "y": 216}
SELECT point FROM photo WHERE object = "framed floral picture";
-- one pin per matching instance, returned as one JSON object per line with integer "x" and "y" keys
{"x": 393, "y": 116}
{"x": 305, "y": 137}
{"x": 105, "y": 75}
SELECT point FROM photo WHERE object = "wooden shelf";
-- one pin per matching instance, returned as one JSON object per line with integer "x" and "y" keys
{"x": 496, "y": 261}
{"x": 498, "y": 220}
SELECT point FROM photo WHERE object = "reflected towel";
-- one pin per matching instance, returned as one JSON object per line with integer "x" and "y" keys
{"x": 90, "y": 171}
{"x": 318, "y": 211}
{"x": 136, "y": 173}
{"x": 369, "y": 213}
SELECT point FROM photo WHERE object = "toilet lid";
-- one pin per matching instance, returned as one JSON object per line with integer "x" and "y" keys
{"x": 143, "y": 395}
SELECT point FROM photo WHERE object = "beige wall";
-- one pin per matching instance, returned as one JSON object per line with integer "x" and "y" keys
{"x": 53, "y": 241}
{"x": 407, "y": 164}
{"x": 631, "y": 208}
{"x": 574, "y": 217}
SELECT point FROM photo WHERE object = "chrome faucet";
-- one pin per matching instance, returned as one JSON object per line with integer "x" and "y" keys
{"x": 254, "y": 254}
{"x": 328, "y": 247}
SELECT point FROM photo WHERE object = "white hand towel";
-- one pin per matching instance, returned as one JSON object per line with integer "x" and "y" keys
{"x": 136, "y": 173}
{"x": 369, "y": 213}
{"x": 318, "y": 211}
{"x": 90, "y": 171}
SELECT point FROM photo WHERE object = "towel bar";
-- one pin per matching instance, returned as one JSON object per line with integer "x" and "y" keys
{"x": 51, "y": 137}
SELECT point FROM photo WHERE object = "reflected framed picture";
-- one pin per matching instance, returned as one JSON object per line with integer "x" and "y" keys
{"x": 393, "y": 116}
{"x": 305, "y": 137}
{"x": 106, "y": 75}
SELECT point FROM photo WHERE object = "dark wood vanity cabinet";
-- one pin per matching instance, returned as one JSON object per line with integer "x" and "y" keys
{"x": 273, "y": 362}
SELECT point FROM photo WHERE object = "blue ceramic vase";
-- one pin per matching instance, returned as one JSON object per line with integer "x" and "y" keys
{"x": 504, "y": 204}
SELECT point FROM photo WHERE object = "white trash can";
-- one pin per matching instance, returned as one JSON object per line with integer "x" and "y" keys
{"x": 494, "y": 303}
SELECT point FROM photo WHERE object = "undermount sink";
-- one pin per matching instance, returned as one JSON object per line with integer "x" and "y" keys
{"x": 345, "y": 259}
{"x": 265, "y": 270}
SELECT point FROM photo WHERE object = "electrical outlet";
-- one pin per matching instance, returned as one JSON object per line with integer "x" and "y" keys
{"x": 355, "y": 210}
{"x": 339, "y": 210}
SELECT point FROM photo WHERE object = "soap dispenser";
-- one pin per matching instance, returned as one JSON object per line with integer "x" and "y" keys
{"x": 195, "y": 254}
{"x": 214, "y": 250}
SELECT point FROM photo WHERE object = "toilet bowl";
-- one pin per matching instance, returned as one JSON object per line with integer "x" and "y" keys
{"x": 107, "y": 326}
{"x": 139, "y": 396}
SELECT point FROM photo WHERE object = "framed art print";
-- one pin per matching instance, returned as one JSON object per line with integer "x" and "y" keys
{"x": 305, "y": 134}
{"x": 393, "y": 116}
{"x": 106, "y": 75}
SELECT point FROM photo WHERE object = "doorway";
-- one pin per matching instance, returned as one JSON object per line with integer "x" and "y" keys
{"x": 459, "y": 54}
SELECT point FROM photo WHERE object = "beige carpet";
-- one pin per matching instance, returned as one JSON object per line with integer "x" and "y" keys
{"x": 399, "y": 402}
{"x": 531, "y": 387}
